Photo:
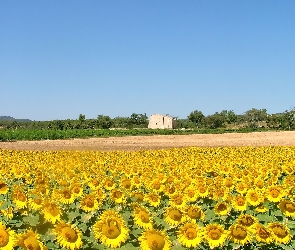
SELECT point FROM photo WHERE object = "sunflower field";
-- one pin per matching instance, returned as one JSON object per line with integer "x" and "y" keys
{"x": 180, "y": 198}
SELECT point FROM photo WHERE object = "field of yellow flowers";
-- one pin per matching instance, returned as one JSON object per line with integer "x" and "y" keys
{"x": 181, "y": 198}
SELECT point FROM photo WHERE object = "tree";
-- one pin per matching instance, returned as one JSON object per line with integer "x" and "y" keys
{"x": 104, "y": 121}
{"x": 196, "y": 117}
{"x": 229, "y": 116}
{"x": 254, "y": 116}
{"x": 288, "y": 120}
{"x": 139, "y": 119}
{"x": 214, "y": 121}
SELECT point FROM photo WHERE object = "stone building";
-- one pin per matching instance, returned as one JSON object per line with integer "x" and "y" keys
{"x": 162, "y": 122}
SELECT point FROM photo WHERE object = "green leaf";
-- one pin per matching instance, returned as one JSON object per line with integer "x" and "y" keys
{"x": 83, "y": 227}
{"x": 33, "y": 220}
{"x": 126, "y": 215}
{"x": 4, "y": 205}
{"x": 210, "y": 214}
{"x": 265, "y": 218}
{"x": 73, "y": 215}
{"x": 178, "y": 246}
{"x": 51, "y": 245}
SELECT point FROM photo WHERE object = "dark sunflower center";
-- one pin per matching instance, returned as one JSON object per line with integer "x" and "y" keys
{"x": 228, "y": 183}
{"x": 247, "y": 221}
{"x": 279, "y": 231}
{"x": 178, "y": 200}
{"x": 253, "y": 197}
{"x": 194, "y": 213}
{"x": 191, "y": 233}
{"x": 214, "y": 234}
{"x": 4, "y": 238}
{"x": 239, "y": 233}
{"x": 111, "y": 230}
{"x": 175, "y": 214}
{"x": 32, "y": 243}
{"x": 262, "y": 232}
{"x": 117, "y": 194}
{"x": 274, "y": 193}
{"x": 155, "y": 241}
{"x": 69, "y": 234}
{"x": 66, "y": 194}
{"x": 144, "y": 216}
{"x": 53, "y": 210}
{"x": 290, "y": 207}
{"x": 240, "y": 202}
{"x": 21, "y": 196}
{"x": 89, "y": 202}
{"x": 126, "y": 184}
{"x": 139, "y": 196}
{"x": 222, "y": 207}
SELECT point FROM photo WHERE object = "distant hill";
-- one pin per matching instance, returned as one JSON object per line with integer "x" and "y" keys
{"x": 11, "y": 119}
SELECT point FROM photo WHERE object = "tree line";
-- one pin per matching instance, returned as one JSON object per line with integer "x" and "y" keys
{"x": 253, "y": 119}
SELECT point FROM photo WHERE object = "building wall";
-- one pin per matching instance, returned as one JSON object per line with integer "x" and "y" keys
{"x": 161, "y": 122}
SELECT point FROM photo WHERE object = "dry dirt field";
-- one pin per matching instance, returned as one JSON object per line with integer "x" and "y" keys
{"x": 132, "y": 143}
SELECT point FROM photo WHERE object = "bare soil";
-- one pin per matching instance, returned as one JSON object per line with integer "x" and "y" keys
{"x": 132, "y": 143}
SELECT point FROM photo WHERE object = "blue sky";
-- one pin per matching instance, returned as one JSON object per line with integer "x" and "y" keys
{"x": 59, "y": 59}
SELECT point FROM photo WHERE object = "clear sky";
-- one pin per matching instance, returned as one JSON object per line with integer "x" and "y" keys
{"x": 59, "y": 59}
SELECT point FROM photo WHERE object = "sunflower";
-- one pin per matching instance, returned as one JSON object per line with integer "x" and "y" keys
{"x": 191, "y": 194}
{"x": 66, "y": 196}
{"x": 259, "y": 183}
{"x": 100, "y": 194}
{"x": 239, "y": 203}
{"x": 263, "y": 234}
{"x": 247, "y": 220}
{"x": 174, "y": 216}
{"x": 7, "y": 238}
{"x": 239, "y": 234}
{"x": 35, "y": 201}
{"x": 126, "y": 184}
{"x": 154, "y": 240}
{"x": 8, "y": 212}
{"x": 194, "y": 213}
{"x": 229, "y": 183}
{"x": 261, "y": 209}
{"x": 254, "y": 197}
{"x": 170, "y": 190}
{"x": 138, "y": 196}
{"x": 202, "y": 190}
{"x": 241, "y": 187}
{"x": 19, "y": 198}
{"x": 281, "y": 233}
{"x": 109, "y": 183}
{"x": 142, "y": 217}
{"x": 177, "y": 200}
{"x": 93, "y": 184}
{"x": 111, "y": 229}
{"x": 68, "y": 236}
{"x": 275, "y": 193}
{"x": 30, "y": 241}
{"x": 51, "y": 211}
{"x": 222, "y": 208}
{"x": 118, "y": 196}
{"x": 220, "y": 193}
{"x": 153, "y": 199}
{"x": 3, "y": 187}
{"x": 287, "y": 207}
{"x": 189, "y": 235}
{"x": 215, "y": 235}
{"x": 89, "y": 203}
{"x": 156, "y": 186}
{"x": 136, "y": 182}
{"x": 77, "y": 190}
